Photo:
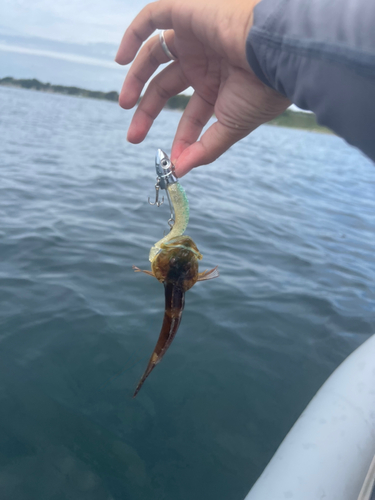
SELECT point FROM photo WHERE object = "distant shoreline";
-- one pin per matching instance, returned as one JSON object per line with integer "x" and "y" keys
{"x": 34, "y": 84}
{"x": 292, "y": 119}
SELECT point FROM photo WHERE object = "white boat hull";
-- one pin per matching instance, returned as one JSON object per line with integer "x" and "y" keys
{"x": 327, "y": 453}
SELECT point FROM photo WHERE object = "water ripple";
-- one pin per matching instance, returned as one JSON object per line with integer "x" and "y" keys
{"x": 289, "y": 218}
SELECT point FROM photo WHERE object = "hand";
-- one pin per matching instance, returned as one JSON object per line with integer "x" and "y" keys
{"x": 208, "y": 38}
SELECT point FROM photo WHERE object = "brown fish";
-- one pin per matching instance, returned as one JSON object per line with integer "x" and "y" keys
{"x": 176, "y": 266}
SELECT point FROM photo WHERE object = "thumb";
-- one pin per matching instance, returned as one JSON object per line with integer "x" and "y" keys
{"x": 217, "y": 139}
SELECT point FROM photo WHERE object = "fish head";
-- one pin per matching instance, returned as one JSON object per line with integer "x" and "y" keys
{"x": 177, "y": 262}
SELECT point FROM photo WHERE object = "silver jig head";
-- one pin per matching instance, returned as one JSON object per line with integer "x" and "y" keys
{"x": 165, "y": 177}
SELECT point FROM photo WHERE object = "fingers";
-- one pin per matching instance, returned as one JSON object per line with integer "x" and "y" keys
{"x": 195, "y": 116}
{"x": 214, "y": 142}
{"x": 166, "y": 84}
{"x": 150, "y": 57}
{"x": 156, "y": 15}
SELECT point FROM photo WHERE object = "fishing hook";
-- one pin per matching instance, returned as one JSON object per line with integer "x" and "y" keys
{"x": 165, "y": 177}
{"x": 171, "y": 220}
{"x": 157, "y": 188}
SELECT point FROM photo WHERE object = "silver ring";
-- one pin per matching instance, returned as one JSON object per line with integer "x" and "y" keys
{"x": 164, "y": 46}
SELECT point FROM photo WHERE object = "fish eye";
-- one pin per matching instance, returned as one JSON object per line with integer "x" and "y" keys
{"x": 164, "y": 162}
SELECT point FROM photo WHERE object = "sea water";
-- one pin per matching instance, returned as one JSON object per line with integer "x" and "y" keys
{"x": 289, "y": 218}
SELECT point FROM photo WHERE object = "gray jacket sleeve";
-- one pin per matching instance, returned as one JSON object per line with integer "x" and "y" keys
{"x": 321, "y": 55}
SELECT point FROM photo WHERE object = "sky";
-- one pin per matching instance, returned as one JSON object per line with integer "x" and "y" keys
{"x": 68, "y": 42}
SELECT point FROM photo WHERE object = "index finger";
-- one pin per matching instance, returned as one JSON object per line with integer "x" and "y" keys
{"x": 156, "y": 15}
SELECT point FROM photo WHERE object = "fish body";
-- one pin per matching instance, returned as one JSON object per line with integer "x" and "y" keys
{"x": 174, "y": 263}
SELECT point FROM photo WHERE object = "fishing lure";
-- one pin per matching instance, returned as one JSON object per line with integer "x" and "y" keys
{"x": 174, "y": 259}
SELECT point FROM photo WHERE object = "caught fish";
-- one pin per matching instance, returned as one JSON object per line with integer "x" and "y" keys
{"x": 174, "y": 260}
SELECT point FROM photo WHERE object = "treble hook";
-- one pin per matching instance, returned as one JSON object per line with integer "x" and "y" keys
{"x": 157, "y": 202}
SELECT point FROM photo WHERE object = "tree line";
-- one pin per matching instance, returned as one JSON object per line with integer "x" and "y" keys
{"x": 287, "y": 119}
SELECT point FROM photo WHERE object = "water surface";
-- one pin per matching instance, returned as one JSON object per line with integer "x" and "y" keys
{"x": 289, "y": 217}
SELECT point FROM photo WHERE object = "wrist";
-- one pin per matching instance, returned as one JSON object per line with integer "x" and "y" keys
{"x": 245, "y": 21}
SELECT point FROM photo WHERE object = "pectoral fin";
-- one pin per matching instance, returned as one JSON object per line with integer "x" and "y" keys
{"x": 208, "y": 274}
{"x": 137, "y": 270}
{"x": 174, "y": 305}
